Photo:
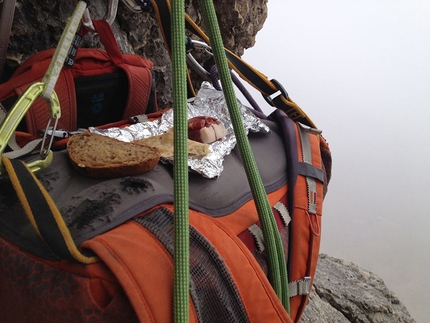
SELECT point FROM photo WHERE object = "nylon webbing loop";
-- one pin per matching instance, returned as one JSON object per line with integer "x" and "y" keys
{"x": 307, "y": 158}
{"x": 63, "y": 47}
{"x": 180, "y": 168}
{"x": 277, "y": 262}
{"x": 300, "y": 287}
{"x": 43, "y": 213}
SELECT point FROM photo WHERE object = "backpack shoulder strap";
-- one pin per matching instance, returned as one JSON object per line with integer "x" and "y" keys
{"x": 137, "y": 69}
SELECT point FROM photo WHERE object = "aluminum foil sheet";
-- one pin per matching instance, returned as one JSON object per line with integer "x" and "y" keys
{"x": 208, "y": 102}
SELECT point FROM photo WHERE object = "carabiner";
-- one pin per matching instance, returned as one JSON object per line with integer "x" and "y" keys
{"x": 110, "y": 17}
{"x": 138, "y": 5}
{"x": 193, "y": 44}
{"x": 17, "y": 113}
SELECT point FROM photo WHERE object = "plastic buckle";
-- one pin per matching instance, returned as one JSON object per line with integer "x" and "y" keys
{"x": 280, "y": 91}
{"x": 17, "y": 113}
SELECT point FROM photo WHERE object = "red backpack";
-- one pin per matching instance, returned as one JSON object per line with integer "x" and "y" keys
{"x": 102, "y": 86}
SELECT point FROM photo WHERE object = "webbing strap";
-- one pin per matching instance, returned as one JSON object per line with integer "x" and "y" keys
{"x": 257, "y": 234}
{"x": 307, "y": 158}
{"x": 18, "y": 151}
{"x": 300, "y": 287}
{"x": 283, "y": 212}
{"x": 42, "y": 212}
{"x": 276, "y": 255}
{"x": 63, "y": 47}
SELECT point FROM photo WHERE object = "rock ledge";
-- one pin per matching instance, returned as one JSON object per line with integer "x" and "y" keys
{"x": 344, "y": 292}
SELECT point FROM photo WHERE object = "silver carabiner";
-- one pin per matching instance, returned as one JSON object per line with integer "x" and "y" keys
{"x": 196, "y": 65}
{"x": 15, "y": 115}
{"x": 137, "y": 6}
{"x": 110, "y": 16}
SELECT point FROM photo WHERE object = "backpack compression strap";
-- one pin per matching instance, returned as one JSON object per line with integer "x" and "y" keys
{"x": 137, "y": 75}
{"x": 42, "y": 212}
{"x": 272, "y": 90}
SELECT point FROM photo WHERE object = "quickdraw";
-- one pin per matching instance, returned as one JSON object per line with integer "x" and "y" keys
{"x": 45, "y": 88}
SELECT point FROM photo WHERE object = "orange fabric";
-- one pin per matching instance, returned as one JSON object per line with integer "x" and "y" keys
{"x": 258, "y": 296}
{"x": 143, "y": 267}
{"x": 102, "y": 284}
{"x": 306, "y": 230}
{"x": 247, "y": 215}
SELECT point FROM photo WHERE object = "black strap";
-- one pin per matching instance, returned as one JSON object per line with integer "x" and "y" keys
{"x": 42, "y": 212}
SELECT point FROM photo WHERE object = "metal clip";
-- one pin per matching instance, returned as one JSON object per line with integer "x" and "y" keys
{"x": 17, "y": 113}
{"x": 44, "y": 149}
{"x": 193, "y": 62}
{"x": 110, "y": 17}
{"x": 138, "y": 5}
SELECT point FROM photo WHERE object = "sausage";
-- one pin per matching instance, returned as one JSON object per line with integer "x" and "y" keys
{"x": 205, "y": 129}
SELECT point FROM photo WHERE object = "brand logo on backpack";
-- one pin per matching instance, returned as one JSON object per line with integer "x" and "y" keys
{"x": 97, "y": 101}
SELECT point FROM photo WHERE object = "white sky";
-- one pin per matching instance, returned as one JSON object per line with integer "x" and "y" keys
{"x": 361, "y": 71}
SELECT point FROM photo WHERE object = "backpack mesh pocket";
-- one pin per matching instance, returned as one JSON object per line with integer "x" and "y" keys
{"x": 212, "y": 289}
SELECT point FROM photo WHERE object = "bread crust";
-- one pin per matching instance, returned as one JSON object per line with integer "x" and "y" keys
{"x": 100, "y": 156}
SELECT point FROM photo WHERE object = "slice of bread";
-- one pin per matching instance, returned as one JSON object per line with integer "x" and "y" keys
{"x": 100, "y": 156}
{"x": 164, "y": 143}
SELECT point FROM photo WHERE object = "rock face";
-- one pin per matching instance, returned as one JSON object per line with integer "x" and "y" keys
{"x": 38, "y": 25}
{"x": 344, "y": 292}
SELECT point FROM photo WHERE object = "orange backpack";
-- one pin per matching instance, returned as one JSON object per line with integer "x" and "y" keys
{"x": 127, "y": 225}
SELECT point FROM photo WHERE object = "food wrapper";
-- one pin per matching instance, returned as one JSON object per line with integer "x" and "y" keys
{"x": 208, "y": 102}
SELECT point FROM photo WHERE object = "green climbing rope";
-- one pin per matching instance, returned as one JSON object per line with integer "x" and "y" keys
{"x": 277, "y": 263}
{"x": 180, "y": 168}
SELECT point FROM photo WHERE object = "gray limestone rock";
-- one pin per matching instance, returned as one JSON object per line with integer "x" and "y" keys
{"x": 344, "y": 292}
{"x": 38, "y": 25}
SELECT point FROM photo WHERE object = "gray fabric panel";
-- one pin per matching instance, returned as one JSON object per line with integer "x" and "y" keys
{"x": 92, "y": 206}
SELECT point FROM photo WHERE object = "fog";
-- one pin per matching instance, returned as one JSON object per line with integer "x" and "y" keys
{"x": 361, "y": 71}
